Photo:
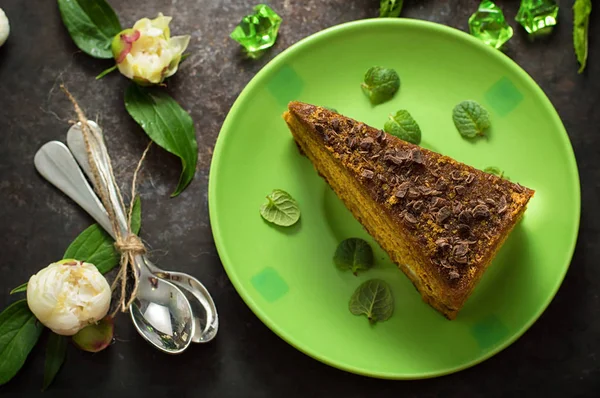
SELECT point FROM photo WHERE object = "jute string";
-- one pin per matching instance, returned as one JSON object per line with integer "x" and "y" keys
{"x": 129, "y": 245}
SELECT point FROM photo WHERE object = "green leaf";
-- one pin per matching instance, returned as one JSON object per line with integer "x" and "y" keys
{"x": 353, "y": 254}
{"x": 374, "y": 299}
{"x": 56, "y": 350}
{"x": 136, "y": 216}
{"x": 390, "y": 8}
{"x": 470, "y": 119}
{"x": 19, "y": 333}
{"x": 495, "y": 171}
{"x": 184, "y": 57}
{"x": 92, "y": 25}
{"x": 19, "y": 289}
{"x": 403, "y": 126}
{"x": 167, "y": 124}
{"x": 581, "y": 22}
{"x": 106, "y": 72}
{"x": 280, "y": 208}
{"x": 380, "y": 84}
{"x": 95, "y": 246}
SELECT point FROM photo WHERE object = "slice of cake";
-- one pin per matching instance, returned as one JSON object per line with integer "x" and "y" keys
{"x": 441, "y": 221}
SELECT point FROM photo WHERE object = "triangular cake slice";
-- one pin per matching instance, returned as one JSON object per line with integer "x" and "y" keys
{"x": 441, "y": 221}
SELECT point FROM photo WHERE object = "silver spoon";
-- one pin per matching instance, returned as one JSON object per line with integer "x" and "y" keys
{"x": 161, "y": 313}
{"x": 203, "y": 306}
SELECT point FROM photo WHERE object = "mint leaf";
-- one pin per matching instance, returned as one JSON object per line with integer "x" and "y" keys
{"x": 470, "y": 119}
{"x": 56, "y": 350}
{"x": 403, "y": 126}
{"x": 495, "y": 171}
{"x": 581, "y": 22}
{"x": 92, "y": 25}
{"x": 19, "y": 333}
{"x": 353, "y": 254}
{"x": 390, "y": 8}
{"x": 374, "y": 299}
{"x": 168, "y": 125}
{"x": 381, "y": 84}
{"x": 280, "y": 209}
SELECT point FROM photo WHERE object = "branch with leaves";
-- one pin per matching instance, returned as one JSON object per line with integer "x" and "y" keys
{"x": 147, "y": 54}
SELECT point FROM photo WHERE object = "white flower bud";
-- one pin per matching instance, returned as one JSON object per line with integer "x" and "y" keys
{"x": 68, "y": 295}
{"x": 147, "y": 53}
{"x": 4, "y": 27}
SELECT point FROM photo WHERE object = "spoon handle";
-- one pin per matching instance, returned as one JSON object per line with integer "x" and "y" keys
{"x": 56, "y": 164}
{"x": 99, "y": 152}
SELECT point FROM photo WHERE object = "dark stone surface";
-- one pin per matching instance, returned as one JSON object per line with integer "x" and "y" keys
{"x": 559, "y": 356}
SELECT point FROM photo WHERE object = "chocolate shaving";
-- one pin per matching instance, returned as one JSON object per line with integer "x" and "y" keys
{"x": 457, "y": 207}
{"x": 402, "y": 190}
{"x": 502, "y": 206}
{"x": 460, "y": 190}
{"x": 410, "y": 218}
{"x": 519, "y": 188}
{"x": 366, "y": 173}
{"x": 352, "y": 142}
{"x": 418, "y": 206}
{"x": 454, "y": 275}
{"x": 461, "y": 259}
{"x": 464, "y": 230}
{"x": 442, "y": 244}
{"x": 413, "y": 193}
{"x": 335, "y": 123}
{"x": 469, "y": 178}
{"x": 437, "y": 202}
{"x": 443, "y": 214}
{"x": 481, "y": 211}
{"x": 403, "y": 154}
{"x": 417, "y": 156}
{"x": 456, "y": 175}
{"x": 441, "y": 184}
{"x": 366, "y": 143}
{"x": 465, "y": 216}
{"x": 460, "y": 250}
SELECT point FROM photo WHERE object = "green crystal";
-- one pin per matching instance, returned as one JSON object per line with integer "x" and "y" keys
{"x": 538, "y": 17}
{"x": 489, "y": 25}
{"x": 257, "y": 32}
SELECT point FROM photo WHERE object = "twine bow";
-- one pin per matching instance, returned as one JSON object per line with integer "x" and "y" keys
{"x": 129, "y": 245}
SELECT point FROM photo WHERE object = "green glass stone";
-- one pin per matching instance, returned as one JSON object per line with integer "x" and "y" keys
{"x": 257, "y": 32}
{"x": 538, "y": 17}
{"x": 489, "y": 25}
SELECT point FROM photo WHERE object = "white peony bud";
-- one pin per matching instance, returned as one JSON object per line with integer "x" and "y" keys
{"x": 4, "y": 27}
{"x": 147, "y": 53}
{"x": 68, "y": 295}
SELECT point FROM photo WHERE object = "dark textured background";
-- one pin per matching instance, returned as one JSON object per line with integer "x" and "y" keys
{"x": 559, "y": 356}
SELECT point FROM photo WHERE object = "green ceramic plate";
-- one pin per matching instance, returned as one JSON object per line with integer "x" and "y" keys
{"x": 286, "y": 275}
